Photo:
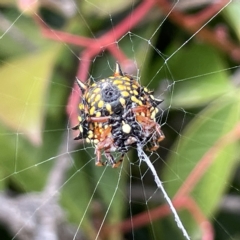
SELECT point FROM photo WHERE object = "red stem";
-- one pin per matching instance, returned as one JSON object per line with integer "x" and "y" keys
{"x": 206, "y": 161}
{"x": 143, "y": 219}
{"x": 97, "y": 45}
{"x": 127, "y": 24}
{"x": 61, "y": 36}
{"x": 195, "y": 25}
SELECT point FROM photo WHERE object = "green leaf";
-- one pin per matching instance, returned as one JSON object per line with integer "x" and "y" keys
{"x": 111, "y": 190}
{"x": 20, "y": 160}
{"x": 17, "y": 162}
{"x": 198, "y": 77}
{"x": 231, "y": 13}
{"x": 7, "y": 2}
{"x": 76, "y": 198}
{"x": 19, "y": 35}
{"x": 100, "y": 9}
{"x": 200, "y": 137}
{"x": 24, "y": 85}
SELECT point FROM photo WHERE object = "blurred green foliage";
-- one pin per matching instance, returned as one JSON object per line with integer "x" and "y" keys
{"x": 201, "y": 106}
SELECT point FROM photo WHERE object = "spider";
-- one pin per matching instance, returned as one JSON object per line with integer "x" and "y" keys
{"x": 117, "y": 113}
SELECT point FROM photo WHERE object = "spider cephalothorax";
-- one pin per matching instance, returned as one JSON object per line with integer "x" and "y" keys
{"x": 117, "y": 113}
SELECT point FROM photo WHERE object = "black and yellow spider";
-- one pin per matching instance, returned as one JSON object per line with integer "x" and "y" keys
{"x": 117, "y": 113}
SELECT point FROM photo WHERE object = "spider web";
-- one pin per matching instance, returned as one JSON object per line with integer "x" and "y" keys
{"x": 50, "y": 187}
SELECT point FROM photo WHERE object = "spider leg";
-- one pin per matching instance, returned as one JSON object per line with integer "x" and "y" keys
{"x": 111, "y": 161}
{"x": 105, "y": 146}
{"x": 139, "y": 109}
{"x": 161, "y": 135}
{"x": 110, "y": 158}
{"x": 154, "y": 146}
{"x": 157, "y": 138}
{"x": 118, "y": 163}
{"x": 151, "y": 127}
{"x": 98, "y": 158}
{"x": 75, "y": 127}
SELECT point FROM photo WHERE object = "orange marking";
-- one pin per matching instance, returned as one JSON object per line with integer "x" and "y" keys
{"x": 98, "y": 119}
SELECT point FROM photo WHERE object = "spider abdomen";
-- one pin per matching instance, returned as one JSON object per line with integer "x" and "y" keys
{"x": 117, "y": 113}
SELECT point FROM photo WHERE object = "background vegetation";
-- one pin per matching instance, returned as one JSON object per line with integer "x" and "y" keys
{"x": 199, "y": 82}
